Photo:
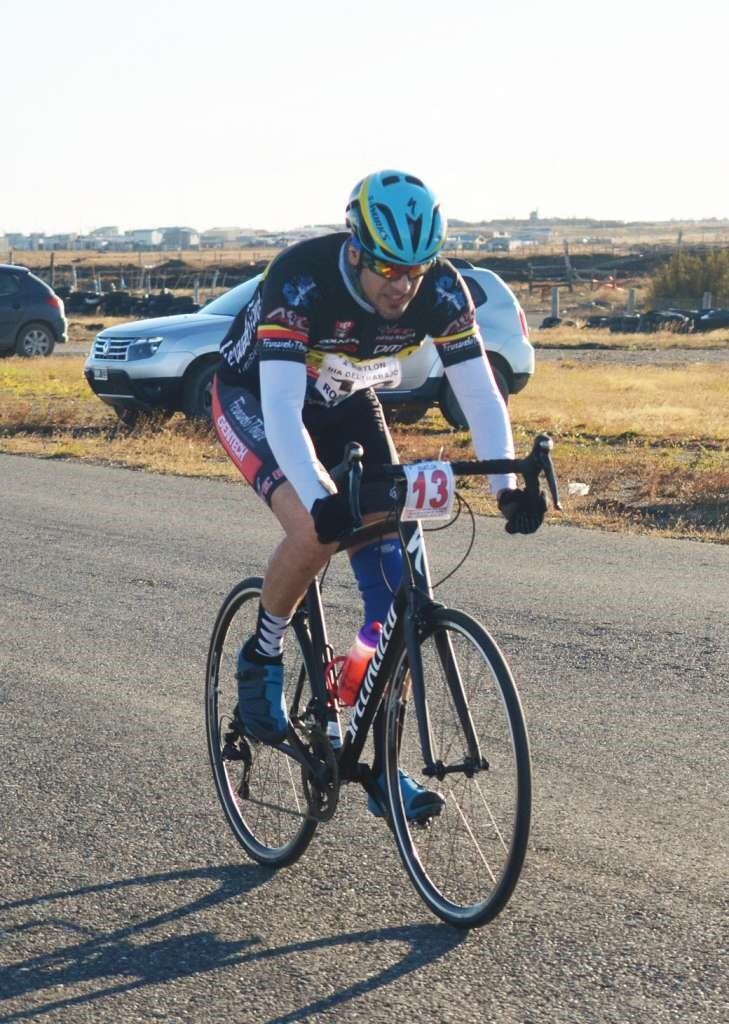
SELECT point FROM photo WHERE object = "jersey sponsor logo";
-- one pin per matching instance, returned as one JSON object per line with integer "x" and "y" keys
{"x": 238, "y": 347}
{"x": 337, "y": 345}
{"x": 457, "y": 346}
{"x": 281, "y": 346}
{"x": 343, "y": 328}
{"x": 251, "y": 424}
{"x": 393, "y": 333}
{"x": 299, "y": 290}
{"x": 449, "y": 292}
{"x": 269, "y": 481}
{"x": 381, "y": 349}
{"x": 288, "y": 318}
{"x": 246, "y": 460}
{"x": 466, "y": 319}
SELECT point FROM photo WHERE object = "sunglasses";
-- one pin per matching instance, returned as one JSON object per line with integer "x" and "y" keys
{"x": 393, "y": 271}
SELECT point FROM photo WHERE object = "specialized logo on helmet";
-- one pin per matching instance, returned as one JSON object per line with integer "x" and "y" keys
{"x": 378, "y": 221}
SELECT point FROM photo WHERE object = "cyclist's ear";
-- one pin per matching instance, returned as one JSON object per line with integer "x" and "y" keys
{"x": 354, "y": 255}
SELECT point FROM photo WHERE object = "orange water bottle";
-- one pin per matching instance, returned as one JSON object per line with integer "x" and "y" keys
{"x": 355, "y": 664}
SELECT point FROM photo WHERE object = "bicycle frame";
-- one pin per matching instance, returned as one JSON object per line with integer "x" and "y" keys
{"x": 408, "y": 612}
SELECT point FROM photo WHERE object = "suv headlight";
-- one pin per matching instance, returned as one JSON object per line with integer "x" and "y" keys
{"x": 144, "y": 348}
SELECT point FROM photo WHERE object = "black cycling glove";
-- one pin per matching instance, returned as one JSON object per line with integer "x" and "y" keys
{"x": 332, "y": 518}
{"x": 523, "y": 512}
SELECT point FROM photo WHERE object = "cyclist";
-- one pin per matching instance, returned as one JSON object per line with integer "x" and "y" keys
{"x": 330, "y": 321}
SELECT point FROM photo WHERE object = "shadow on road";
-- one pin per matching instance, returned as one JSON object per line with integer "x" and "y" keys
{"x": 108, "y": 964}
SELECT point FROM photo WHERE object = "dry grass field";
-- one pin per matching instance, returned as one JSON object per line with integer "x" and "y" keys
{"x": 653, "y": 446}
{"x": 580, "y": 337}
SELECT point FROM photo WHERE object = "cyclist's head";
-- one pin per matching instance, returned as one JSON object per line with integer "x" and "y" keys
{"x": 396, "y": 218}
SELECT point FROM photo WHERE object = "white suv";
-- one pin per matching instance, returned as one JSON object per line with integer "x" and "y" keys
{"x": 167, "y": 364}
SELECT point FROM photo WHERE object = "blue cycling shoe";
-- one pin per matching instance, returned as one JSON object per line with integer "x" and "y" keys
{"x": 261, "y": 708}
{"x": 418, "y": 802}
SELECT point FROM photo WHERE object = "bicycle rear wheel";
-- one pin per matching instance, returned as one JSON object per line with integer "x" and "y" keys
{"x": 465, "y": 861}
{"x": 260, "y": 787}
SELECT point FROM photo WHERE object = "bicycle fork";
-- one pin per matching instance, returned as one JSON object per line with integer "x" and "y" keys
{"x": 421, "y": 604}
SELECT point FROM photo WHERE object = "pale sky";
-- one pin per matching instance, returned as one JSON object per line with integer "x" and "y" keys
{"x": 265, "y": 114}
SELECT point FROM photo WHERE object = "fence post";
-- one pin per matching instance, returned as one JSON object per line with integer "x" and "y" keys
{"x": 706, "y": 301}
{"x": 555, "y": 302}
{"x": 52, "y": 270}
{"x": 630, "y": 308}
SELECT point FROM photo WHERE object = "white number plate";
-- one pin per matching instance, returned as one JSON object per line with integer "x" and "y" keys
{"x": 101, "y": 373}
{"x": 431, "y": 488}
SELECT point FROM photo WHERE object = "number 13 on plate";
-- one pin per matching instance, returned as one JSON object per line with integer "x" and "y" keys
{"x": 431, "y": 487}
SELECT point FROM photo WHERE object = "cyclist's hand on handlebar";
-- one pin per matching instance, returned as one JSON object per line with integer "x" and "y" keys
{"x": 523, "y": 512}
{"x": 332, "y": 518}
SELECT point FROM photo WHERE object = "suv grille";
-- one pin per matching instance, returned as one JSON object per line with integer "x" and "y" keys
{"x": 111, "y": 348}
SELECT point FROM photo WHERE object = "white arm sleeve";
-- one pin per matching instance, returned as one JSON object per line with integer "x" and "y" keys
{"x": 283, "y": 386}
{"x": 480, "y": 399}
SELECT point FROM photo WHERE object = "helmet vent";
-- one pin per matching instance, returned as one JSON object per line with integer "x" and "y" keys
{"x": 387, "y": 214}
{"x": 415, "y": 226}
{"x": 391, "y": 179}
{"x": 411, "y": 180}
{"x": 433, "y": 226}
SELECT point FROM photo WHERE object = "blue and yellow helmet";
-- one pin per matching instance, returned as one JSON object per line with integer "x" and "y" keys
{"x": 395, "y": 217}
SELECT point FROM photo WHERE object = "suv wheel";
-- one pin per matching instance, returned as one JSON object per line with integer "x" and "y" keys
{"x": 34, "y": 339}
{"x": 197, "y": 400}
{"x": 452, "y": 411}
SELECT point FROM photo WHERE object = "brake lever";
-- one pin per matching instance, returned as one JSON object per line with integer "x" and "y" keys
{"x": 543, "y": 445}
{"x": 349, "y": 471}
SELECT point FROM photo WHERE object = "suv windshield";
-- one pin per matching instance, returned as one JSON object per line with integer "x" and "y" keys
{"x": 230, "y": 303}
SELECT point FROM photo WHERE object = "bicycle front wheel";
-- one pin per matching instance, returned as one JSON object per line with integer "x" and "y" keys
{"x": 260, "y": 787}
{"x": 465, "y": 860}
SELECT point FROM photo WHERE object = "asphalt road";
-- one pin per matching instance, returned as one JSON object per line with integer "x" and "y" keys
{"x": 123, "y": 897}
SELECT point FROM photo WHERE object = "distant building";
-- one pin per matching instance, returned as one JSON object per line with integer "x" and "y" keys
{"x": 68, "y": 241}
{"x": 4, "y": 247}
{"x": 503, "y": 243}
{"x": 145, "y": 238}
{"x": 180, "y": 238}
{"x": 534, "y": 233}
{"x": 466, "y": 240}
{"x": 216, "y": 238}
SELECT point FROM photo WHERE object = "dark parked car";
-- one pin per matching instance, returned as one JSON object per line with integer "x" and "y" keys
{"x": 664, "y": 320}
{"x": 32, "y": 318}
{"x": 599, "y": 320}
{"x": 711, "y": 319}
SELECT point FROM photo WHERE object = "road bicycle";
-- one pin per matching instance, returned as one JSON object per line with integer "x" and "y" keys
{"x": 438, "y": 699}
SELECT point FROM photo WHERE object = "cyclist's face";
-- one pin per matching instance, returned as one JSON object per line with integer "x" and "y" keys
{"x": 390, "y": 298}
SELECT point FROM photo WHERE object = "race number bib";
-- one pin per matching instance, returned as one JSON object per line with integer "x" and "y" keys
{"x": 337, "y": 377}
{"x": 431, "y": 488}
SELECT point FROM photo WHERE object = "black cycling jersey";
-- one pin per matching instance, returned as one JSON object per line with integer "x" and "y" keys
{"x": 306, "y": 309}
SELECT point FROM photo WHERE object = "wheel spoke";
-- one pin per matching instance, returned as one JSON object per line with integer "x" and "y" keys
{"x": 271, "y": 823}
{"x": 466, "y": 861}
{"x": 468, "y": 828}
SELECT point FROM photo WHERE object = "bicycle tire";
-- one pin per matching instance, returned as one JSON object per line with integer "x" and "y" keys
{"x": 465, "y": 861}
{"x": 267, "y": 809}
